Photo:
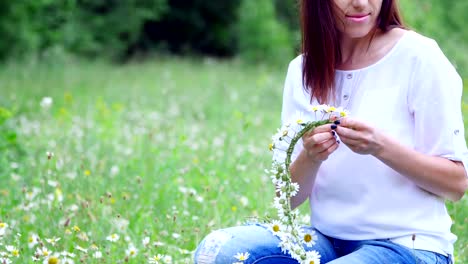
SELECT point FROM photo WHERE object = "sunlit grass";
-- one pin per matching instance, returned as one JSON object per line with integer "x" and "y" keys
{"x": 157, "y": 154}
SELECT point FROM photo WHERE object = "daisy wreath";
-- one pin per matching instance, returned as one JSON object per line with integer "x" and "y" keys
{"x": 287, "y": 229}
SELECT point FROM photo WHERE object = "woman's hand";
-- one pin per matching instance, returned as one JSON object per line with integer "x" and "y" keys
{"x": 320, "y": 143}
{"x": 359, "y": 136}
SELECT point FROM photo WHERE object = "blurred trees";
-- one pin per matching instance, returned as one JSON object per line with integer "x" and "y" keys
{"x": 261, "y": 30}
{"x": 87, "y": 27}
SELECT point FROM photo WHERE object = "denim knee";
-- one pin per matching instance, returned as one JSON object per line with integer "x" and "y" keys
{"x": 254, "y": 243}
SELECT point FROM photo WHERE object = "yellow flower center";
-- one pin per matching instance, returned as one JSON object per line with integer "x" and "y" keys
{"x": 271, "y": 146}
{"x": 2, "y": 225}
{"x": 45, "y": 253}
{"x": 299, "y": 121}
{"x": 53, "y": 260}
{"x": 276, "y": 228}
{"x": 343, "y": 114}
{"x": 312, "y": 262}
{"x": 307, "y": 238}
{"x": 15, "y": 252}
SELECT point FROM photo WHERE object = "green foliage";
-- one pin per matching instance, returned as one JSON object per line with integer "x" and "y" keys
{"x": 445, "y": 22}
{"x": 197, "y": 25}
{"x": 85, "y": 27}
{"x": 261, "y": 36}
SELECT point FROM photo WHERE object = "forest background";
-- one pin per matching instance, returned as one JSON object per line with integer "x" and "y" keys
{"x": 130, "y": 129}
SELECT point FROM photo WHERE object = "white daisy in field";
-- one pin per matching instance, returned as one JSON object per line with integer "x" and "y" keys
{"x": 33, "y": 239}
{"x": 54, "y": 259}
{"x": 5, "y": 260}
{"x": 53, "y": 240}
{"x": 156, "y": 259}
{"x": 113, "y": 238}
{"x": 242, "y": 256}
{"x": 43, "y": 251}
{"x": 167, "y": 259}
{"x": 46, "y": 102}
{"x": 3, "y": 228}
{"x": 97, "y": 255}
{"x": 84, "y": 250}
{"x": 131, "y": 251}
{"x": 145, "y": 241}
{"x": 13, "y": 250}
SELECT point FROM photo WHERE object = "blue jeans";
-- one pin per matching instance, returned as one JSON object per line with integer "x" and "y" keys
{"x": 221, "y": 246}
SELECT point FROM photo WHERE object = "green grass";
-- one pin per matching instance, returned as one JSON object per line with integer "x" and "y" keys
{"x": 168, "y": 149}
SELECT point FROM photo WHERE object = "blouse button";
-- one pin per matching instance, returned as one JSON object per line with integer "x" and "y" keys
{"x": 456, "y": 132}
{"x": 346, "y": 97}
{"x": 349, "y": 76}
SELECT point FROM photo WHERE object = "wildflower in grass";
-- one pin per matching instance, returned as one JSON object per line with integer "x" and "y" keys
{"x": 33, "y": 239}
{"x": 97, "y": 255}
{"x": 131, "y": 251}
{"x": 145, "y": 241}
{"x": 167, "y": 259}
{"x": 4, "y": 260}
{"x": 82, "y": 236}
{"x": 113, "y": 238}
{"x": 50, "y": 155}
{"x": 84, "y": 250}
{"x": 53, "y": 240}
{"x": 156, "y": 259}
{"x": 43, "y": 251}
{"x": 3, "y": 227}
{"x": 46, "y": 102}
{"x": 242, "y": 256}
{"x": 175, "y": 235}
{"x": 14, "y": 252}
{"x": 52, "y": 260}
{"x": 158, "y": 244}
{"x": 76, "y": 228}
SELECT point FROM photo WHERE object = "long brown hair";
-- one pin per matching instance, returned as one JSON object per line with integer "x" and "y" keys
{"x": 321, "y": 47}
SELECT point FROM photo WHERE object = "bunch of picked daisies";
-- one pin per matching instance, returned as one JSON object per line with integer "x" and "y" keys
{"x": 292, "y": 237}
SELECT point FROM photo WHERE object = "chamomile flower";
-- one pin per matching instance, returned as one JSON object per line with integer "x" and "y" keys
{"x": 242, "y": 256}
{"x": 275, "y": 227}
{"x": 131, "y": 251}
{"x": 312, "y": 257}
{"x": 97, "y": 255}
{"x": 3, "y": 228}
{"x": 113, "y": 238}
{"x": 33, "y": 239}
{"x": 156, "y": 259}
{"x": 309, "y": 238}
{"x": 12, "y": 250}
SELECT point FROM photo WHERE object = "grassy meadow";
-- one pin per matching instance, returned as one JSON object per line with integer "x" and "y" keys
{"x": 137, "y": 163}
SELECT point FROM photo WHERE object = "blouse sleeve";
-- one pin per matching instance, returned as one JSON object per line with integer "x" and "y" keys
{"x": 290, "y": 106}
{"x": 435, "y": 102}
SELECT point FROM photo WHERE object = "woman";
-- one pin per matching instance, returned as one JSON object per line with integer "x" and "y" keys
{"x": 377, "y": 192}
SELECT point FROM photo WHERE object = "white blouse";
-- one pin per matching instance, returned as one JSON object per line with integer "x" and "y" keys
{"x": 413, "y": 94}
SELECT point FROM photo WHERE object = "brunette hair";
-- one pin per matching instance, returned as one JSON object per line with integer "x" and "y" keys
{"x": 321, "y": 46}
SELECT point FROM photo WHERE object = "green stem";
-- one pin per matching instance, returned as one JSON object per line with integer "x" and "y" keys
{"x": 308, "y": 127}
